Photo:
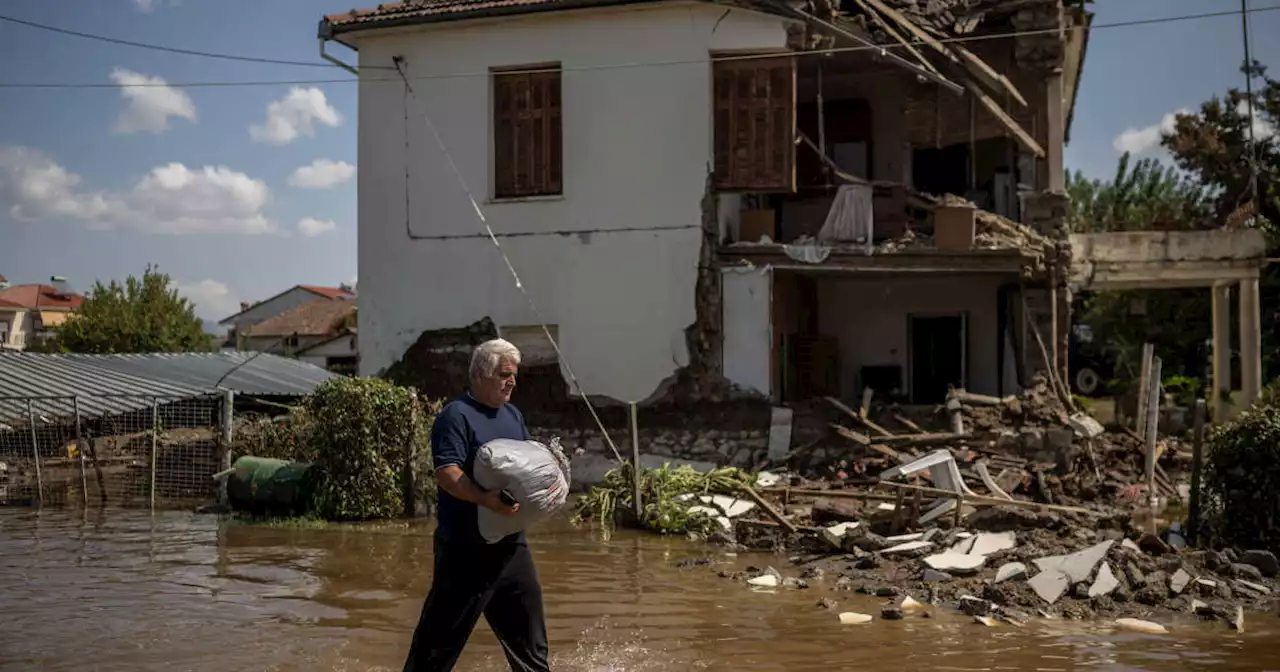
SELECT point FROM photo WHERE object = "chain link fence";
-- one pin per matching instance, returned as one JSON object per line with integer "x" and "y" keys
{"x": 130, "y": 451}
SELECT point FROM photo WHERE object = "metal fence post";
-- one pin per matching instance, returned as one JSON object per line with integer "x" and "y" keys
{"x": 224, "y": 453}
{"x": 155, "y": 434}
{"x": 84, "y": 480}
{"x": 1197, "y": 459}
{"x": 35, "y": 451}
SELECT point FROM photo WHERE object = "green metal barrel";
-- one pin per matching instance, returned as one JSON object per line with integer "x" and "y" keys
{"x": 264, "y": 486}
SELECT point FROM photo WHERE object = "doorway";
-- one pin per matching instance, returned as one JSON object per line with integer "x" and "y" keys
{"x": 938, "y": 345}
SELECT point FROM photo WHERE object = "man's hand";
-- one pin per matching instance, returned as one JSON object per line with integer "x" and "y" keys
{"x": 494, "y": 502}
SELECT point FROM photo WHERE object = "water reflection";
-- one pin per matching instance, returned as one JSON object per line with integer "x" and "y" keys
{"x": 121, "y": 590}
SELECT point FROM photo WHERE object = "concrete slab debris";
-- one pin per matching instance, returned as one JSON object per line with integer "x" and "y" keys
{"x": 985, "y": 620}
{"x": 1011, "y": 570}
{"x": 1198, "y": 607}
{"x": 909, "y": 547}
{"x": 732, "y": 507}
{"x": 1178, "y": 582}
{"x": 1131, "y": 545}
{"x": 1139, "y": 625}
{"x": 901, "y": 538}
{"x": 1105, "y": 583}
{"x": 854, "y": 618}
{"x": 990, "y": 543}
{"x": 964, "y": 545}
{"x": 1076, "y": 566}
{"x": 911, "y": 604}
{"x": 764, "y": 581}
{"x": 836, "y": 533}
{"x": 1085, "y": 425}
{"x": 713, "y": 514}
{"x": 933, "y": 576}
{"x": 1237, "y": 621}
{"x": 956, "y": 563}
{"x": 886, "y": 506}
{"x": 1050, "y": 584}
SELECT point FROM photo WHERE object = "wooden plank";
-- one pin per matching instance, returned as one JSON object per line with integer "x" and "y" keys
{"x": 834, "y": 511}
{"x": 768, "y": 508}
{"x": 986, "y": 501}
{"x": 987, "y": 74}
{"x": 1016, "y": 129}
{"x": 896, "y": 35}
{"x": 911, "y": 27}
{"x": 850, "y": 412}
{"x": 847, "y": 433}
{"x": 906, "y": 422}
{"x": 863, "y": 408}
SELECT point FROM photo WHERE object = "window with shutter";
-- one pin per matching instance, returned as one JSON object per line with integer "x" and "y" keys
{"x": 755, "y": 122}
{"x": 526, "y": 133}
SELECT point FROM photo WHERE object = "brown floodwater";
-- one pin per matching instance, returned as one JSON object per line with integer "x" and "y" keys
{"x": 124, "y": 590}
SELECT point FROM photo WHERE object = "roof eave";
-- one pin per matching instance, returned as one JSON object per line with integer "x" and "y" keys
{"x": 331, "y": 31}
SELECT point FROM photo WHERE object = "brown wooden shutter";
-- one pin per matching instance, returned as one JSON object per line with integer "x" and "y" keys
{"x": 754, "y": 120}
{"x": 528, "y": 158}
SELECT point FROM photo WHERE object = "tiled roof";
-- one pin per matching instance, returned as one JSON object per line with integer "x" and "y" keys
{"x": 430, "y": 11}
{"x": 5, "y": 303}
{"x": 40, "y": 297}
{"x": 328, "y": 292}
{"x": 954, "y": 15}
{"x": 113, "y": 384}
{"x": 314, "y": 318}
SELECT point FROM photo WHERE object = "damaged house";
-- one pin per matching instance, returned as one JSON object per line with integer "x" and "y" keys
{"x": 801, "y": 198}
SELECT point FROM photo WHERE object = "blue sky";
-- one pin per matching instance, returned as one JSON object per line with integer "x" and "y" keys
{"x": 96, "y": 183}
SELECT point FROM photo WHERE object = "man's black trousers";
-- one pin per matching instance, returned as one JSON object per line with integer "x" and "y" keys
{"x": 470, "y": 579}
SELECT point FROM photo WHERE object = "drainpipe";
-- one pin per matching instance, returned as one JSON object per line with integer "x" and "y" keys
{"x": 331, "y": 59}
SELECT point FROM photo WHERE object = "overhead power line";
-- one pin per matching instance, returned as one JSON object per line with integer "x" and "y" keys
{"x": 608, "y": 66}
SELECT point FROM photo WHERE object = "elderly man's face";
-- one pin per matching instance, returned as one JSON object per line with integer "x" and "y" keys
{"x": 496, "y": 390}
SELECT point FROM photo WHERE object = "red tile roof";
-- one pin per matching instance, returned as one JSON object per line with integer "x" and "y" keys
{"x": 328, "y": 292}
{"x": 314, "y": 318}
{"x": 40, "y": 297}
{"x": 9, "y": 304}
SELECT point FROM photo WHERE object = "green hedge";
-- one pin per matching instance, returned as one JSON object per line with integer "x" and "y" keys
{"x": 1242, "y": 477}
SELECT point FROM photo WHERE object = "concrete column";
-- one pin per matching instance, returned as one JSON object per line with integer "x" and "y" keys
{"x": 1056, "y": 132}
{"x": 1250, "y": 342}
{"x": 1221, "y": 352}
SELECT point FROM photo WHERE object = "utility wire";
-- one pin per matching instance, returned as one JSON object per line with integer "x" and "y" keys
{"x": 157, "y": 47}
{"x": 484, "y": 222}
{"x": 608, "y": 66}
{"x": 1248, "y": 87}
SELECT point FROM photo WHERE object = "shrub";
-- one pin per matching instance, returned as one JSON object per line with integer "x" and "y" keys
{"x": 363, "y": 435}
{"x": 1241, "y": 479}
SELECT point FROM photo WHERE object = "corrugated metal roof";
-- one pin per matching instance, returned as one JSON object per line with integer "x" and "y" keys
{"x": 113, "y": 384}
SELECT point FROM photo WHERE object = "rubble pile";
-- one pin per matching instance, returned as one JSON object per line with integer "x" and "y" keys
{"x": 1010, "y": 507}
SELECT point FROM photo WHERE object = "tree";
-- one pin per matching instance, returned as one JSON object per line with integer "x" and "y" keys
{"x": 1214, "y": 146}
{"x": 141, "y": 315}
{"x": 1148, "y": 197}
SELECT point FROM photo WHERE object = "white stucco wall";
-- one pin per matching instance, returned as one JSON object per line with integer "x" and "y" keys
{"x": 637, "y": 144}
{"x": 748, "y": 327}
{"x": 869, "y": 316}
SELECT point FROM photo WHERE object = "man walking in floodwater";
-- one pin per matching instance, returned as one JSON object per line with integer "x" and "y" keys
{"x": 472, "y": 577}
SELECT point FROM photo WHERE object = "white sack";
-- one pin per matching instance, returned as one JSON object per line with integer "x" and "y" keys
{"x": 536, "y": 475}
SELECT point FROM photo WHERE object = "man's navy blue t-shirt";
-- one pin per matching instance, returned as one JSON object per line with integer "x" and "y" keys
{"x": 462, "y": 426}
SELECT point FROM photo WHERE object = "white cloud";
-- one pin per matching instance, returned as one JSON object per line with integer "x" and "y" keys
{"x": 322, "y": 174}
{"x": 150, "y": 103}
{"x": 294, "y": 115}
{"x": 144, "y": 5}
{"x": 1143, "y": 140}
{"x": 213, "y": 300}
{"x": 170, "y": 199}
{"x": 1262, "y": 130}
{"x": 312, "y": 227}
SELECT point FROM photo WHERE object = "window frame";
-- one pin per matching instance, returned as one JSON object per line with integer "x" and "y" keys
{"x": 768, "y": 166}
{"x": 544, "y": 178}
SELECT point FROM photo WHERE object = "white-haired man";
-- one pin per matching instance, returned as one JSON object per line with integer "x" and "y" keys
{"x": 472, "y": 577}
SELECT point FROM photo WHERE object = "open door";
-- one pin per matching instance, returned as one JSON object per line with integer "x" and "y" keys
{"x": 938, "y": 356}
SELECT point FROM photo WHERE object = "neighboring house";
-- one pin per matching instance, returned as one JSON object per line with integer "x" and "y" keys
{"x": 29, "y": 314}
{"x": 254, "y": 313}
{"x": 321, "y": 331}
{"x": 737, "y": 188}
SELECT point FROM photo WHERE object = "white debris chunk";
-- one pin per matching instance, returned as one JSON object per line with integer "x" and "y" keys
{"x": 1050, "y": 585}
{"x": 956, "y": 563}
{"x": 985, "y": 620}
{"x": 902, "y": 538}
{"x": 1131, "y": 545}
{"x": 854, "y": 618}
{"x": 990, "y": 543}
{"x": 836, "y": 533}
{"x": 1256, "y": 587}
{"x": 1139, "y": 625}
{"x": 1105, "y": 582}
{"x": 767, "y": 479}
{"x": 1011, "y": 570}
{"x": 764, "y": 581}
{"x": 1178, "y": 582}
{"x": 1076, "y": 566}
{"x": 909, "y": 547}
{"x": 731, "y": 507}
{"x": 910, "y": 604}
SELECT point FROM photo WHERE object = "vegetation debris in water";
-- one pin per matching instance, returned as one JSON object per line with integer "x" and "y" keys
{"x": 665, "y": 511}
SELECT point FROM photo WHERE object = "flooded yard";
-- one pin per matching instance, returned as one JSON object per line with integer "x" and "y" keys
{"x": 124, "y": 590}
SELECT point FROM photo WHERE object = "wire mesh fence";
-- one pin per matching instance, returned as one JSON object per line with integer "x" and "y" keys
{"x": 131, "y": 451}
